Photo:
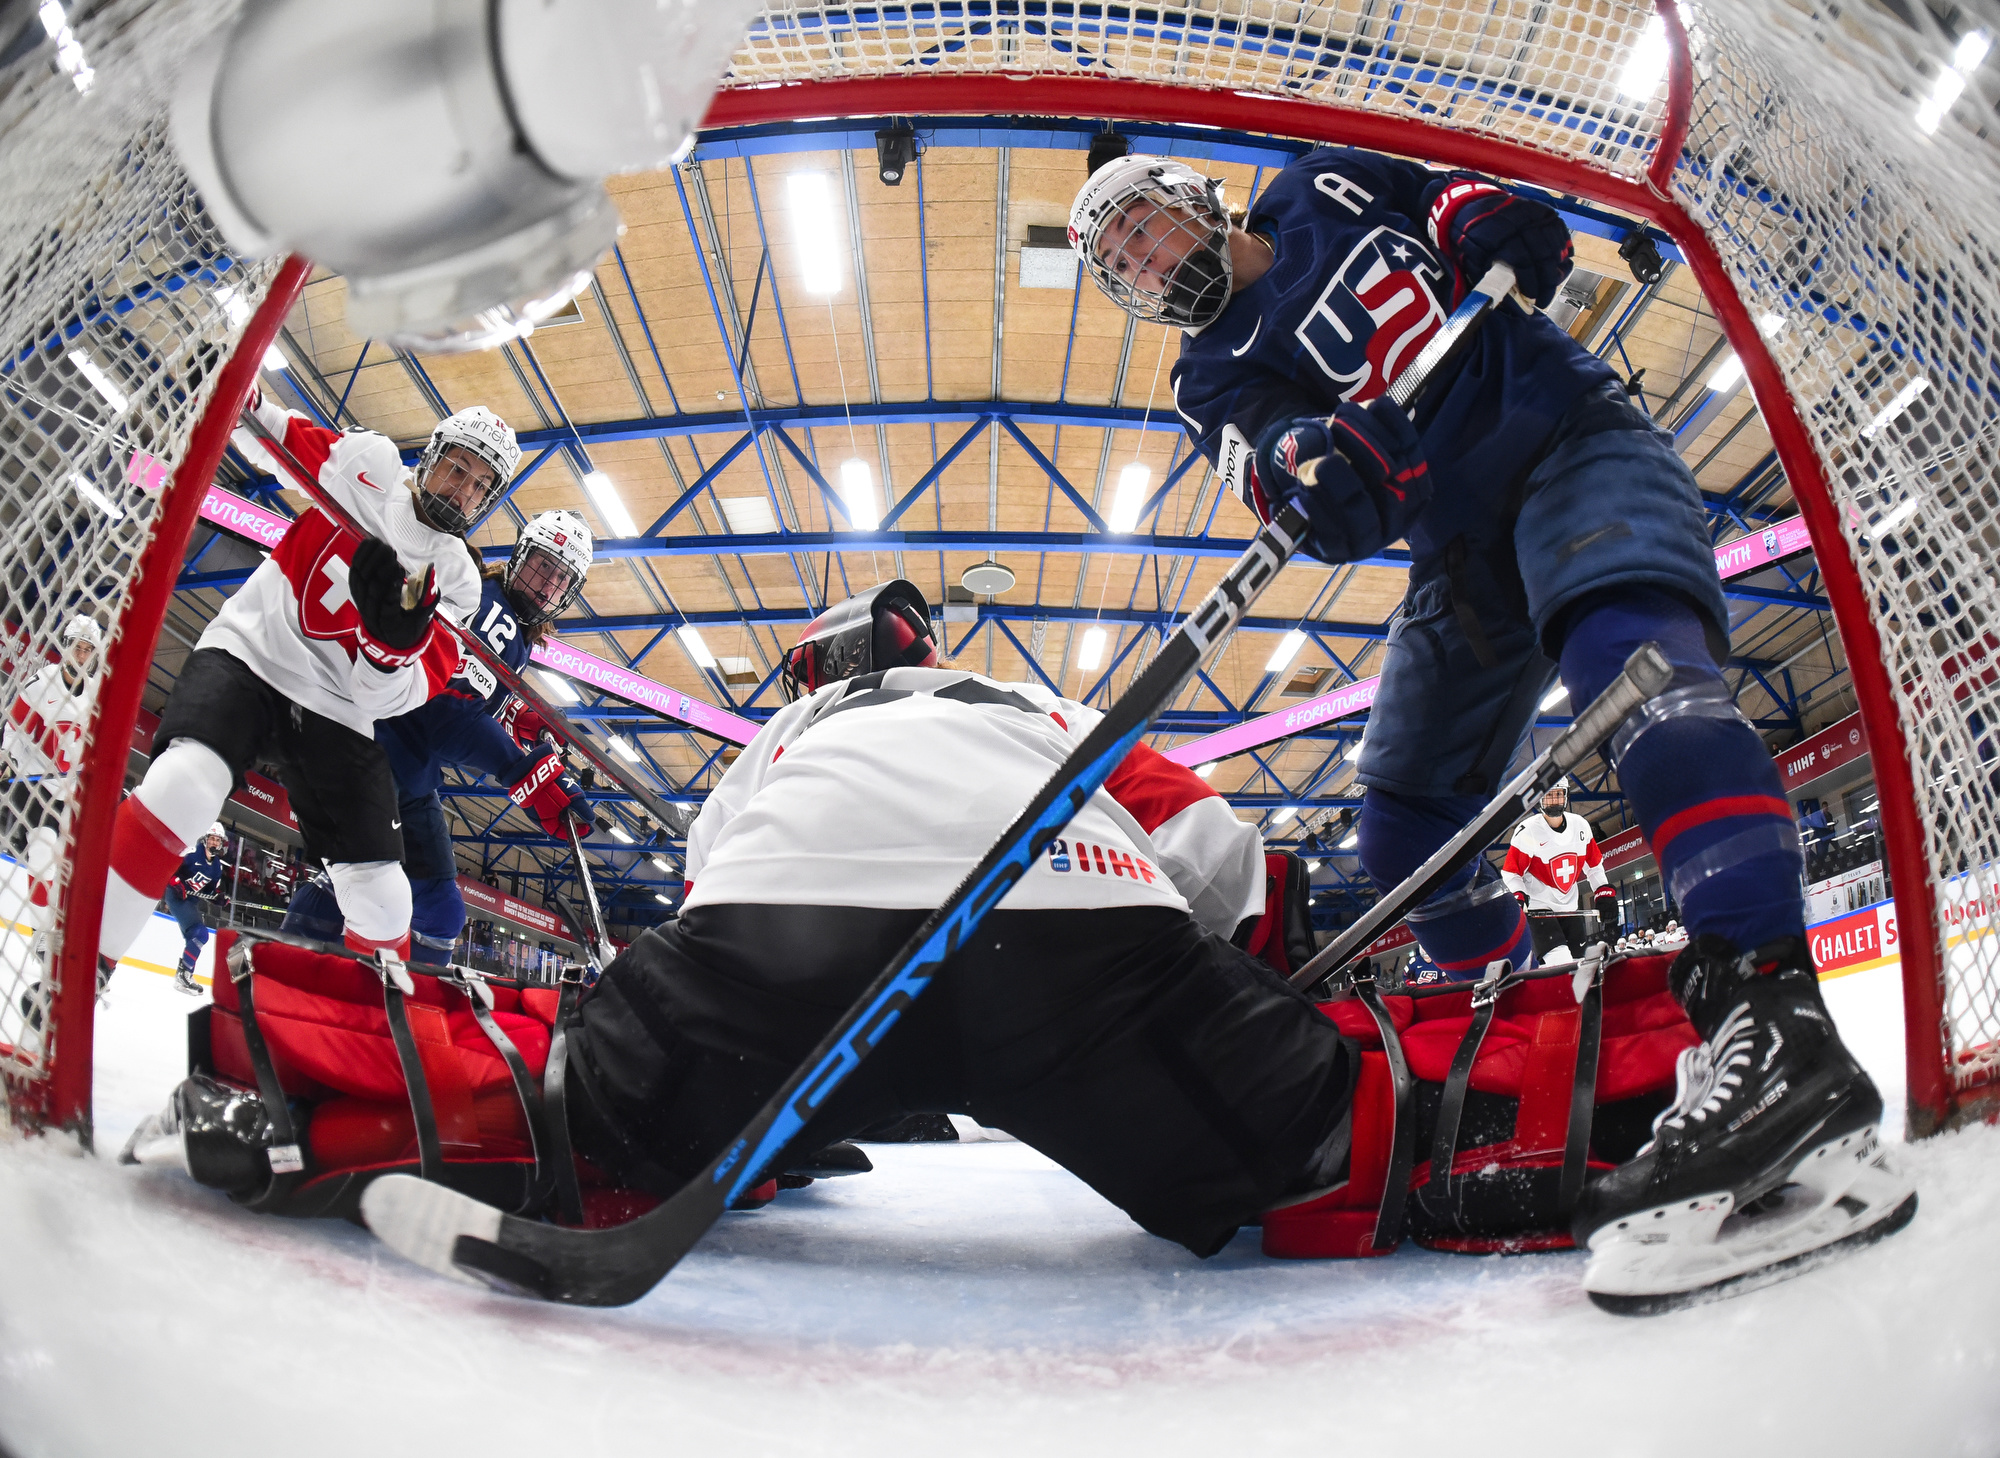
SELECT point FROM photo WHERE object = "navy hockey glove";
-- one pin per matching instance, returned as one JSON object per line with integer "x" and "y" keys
{"x": 1359, "y": 477}
{"x": 543, "y": 788}
{"x": 394, "y": 630}
{"x": 1476, "y": 224}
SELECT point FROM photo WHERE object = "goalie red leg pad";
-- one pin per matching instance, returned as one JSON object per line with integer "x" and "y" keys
{"x": 1341, "y": 1222}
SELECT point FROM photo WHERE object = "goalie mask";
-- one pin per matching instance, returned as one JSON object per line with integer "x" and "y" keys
{"x": 885, "y": 627}
{"x": 467, "y": 464}
{"x": 1154, "y": 236}
{"x": 551, "y": 559}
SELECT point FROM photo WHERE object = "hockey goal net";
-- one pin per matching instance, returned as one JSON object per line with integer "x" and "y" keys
{"x": 120, "y": 311}
{"x": 1848, "y": 253}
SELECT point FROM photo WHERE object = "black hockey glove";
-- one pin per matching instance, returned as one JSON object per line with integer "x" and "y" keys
{"x": 1476, "y": 224}
{"x": 1607, "y": 908}
{"x": 392, "y": 634}
{"x": 1359, "y": 477}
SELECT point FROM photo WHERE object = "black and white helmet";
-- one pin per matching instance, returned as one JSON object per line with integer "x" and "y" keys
{"x": 1154, "y": 236}
{"x": 551, "y": 558}
{"x": 888, "y": 626}
{"x": 1555, "y": 799}
{"x": 452, "y": 494}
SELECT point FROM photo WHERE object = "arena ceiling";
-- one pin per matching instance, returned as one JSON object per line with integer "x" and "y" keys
{"x": 717, "y": 386}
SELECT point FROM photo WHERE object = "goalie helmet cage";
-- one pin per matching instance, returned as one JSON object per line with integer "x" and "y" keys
{"x": 1779, "y": 151}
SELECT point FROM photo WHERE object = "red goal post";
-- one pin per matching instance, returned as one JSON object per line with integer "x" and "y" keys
{"x": 1846, "y": 252}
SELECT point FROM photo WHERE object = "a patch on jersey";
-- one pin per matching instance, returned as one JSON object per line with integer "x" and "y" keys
{"x": 479, "y": 676}
{"x": 1235, "y": 462}
{"x": 1377, "y": 311}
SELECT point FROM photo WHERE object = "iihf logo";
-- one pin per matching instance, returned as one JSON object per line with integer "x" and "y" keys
{"x": 1376, "y": 313}
{"x": 1771, "y": 540}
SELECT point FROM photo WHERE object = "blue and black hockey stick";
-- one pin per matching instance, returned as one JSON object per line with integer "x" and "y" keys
{"x": 458, "y": 1236}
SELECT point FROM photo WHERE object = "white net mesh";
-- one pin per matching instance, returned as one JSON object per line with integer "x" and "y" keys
{"x": 1543, "y": 75}
{"x": 1872, "y": 244}
{"x": 118, "y": 305}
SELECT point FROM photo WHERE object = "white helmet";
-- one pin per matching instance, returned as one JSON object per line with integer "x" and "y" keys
{"x": 489, "y": 438}
{"x": 215, "y": 832}
{"x": 81, "y": 629}
{"x": 551, "y": 558}
{"x": 1170, "y": 263}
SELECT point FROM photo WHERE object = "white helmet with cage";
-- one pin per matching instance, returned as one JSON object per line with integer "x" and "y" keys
{"x": 1555, "y": 799}
{"x": 1154, "y": 236}
{"x": 551, "y": 558}
{"x": 83, "y": 629}
{"x": 491, "y": 441}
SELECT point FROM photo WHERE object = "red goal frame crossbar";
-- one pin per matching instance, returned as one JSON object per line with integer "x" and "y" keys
{"x": 1934, "y": 1100}
{"x": 60, "y": 1097}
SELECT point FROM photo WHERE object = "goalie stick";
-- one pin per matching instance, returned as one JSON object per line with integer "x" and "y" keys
{"x": 676, "y": 818}
{"x": 1645, "y": 674}
{"x": 458, "y": 1236}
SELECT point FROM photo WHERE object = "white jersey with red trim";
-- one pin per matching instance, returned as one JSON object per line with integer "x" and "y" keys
{"x": 1549, "y": 865}
{"x": 885, "y": 790}
{"x": 293, "y": 622}
{"x": 46, "y": 724}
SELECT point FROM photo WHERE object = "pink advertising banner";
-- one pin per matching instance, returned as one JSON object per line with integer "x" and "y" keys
{"x": 1760, "y": 549}
{"x": 595, "y": 671}
{"x": 1342, "y": 703}
{"x": 232, "y": 513}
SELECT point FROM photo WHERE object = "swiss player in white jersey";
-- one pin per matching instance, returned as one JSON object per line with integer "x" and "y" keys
{"x": 1100, "y": 1013}
{"x": 43, "y": 740}
{"x": 1549, "y": 860}
{"x": 326, "y": 637}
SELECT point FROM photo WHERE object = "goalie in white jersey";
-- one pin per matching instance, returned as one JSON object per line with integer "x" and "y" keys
{"x": 326, "y": 637}
{"x": 1550, "y": 859}
{"x": 1100, "y": 1014}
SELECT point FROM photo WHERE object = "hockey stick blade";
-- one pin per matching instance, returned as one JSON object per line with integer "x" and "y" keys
{"x": 1645, "y": 674}
{"x": 616, "y": 1266}
{"x": 671, "y": 817}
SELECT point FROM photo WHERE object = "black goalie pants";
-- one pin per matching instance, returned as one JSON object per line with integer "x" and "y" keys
{"x": 1179, "y": 1077}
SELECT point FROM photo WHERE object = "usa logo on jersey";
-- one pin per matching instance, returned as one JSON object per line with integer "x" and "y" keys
{"x": 1377, "y": 312}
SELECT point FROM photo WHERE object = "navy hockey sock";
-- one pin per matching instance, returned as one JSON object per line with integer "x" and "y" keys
{"x": 1701, "y": 782}
{"x": 1472, "y": 920}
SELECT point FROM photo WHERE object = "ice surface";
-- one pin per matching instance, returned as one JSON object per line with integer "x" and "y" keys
{"x": 969, "y": 1299}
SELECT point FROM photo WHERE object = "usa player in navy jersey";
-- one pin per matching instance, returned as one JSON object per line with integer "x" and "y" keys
{"x": 468, "y": 725}
{"x": 198, "y": 881}
{"x": 1551, "y": 528}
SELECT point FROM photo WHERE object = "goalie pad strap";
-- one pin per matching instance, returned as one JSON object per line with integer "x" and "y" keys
{"x": 1582, "y": 1095}
{"x": 1436, "y": 1193}
{"x": 555, "y": 1102}
{"x": 1403, "y": 1139}
{"x": 283, "y": 1135}
{"x": 430, "y": 1158}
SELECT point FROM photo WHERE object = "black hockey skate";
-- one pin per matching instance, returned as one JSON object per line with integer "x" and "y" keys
{"x": 1769, "y": 1155}
{"x": 219, "y": 1135}
{"x": 184, "y": 977}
